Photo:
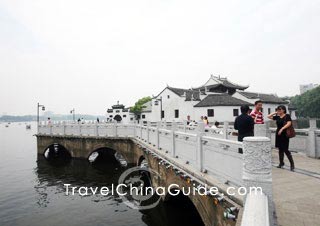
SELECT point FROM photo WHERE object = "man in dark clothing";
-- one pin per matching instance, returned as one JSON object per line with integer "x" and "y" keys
{"x": 244, "y": 123}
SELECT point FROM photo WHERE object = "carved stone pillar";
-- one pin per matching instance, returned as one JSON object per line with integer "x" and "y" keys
{"x": 260, "y": 130}
{"x": 257, "y": 167}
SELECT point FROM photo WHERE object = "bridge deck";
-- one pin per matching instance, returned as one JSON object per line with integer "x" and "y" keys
{"x": 297, "y": 194}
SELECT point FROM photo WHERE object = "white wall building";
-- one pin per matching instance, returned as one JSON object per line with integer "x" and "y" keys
{"x": 119, "y": 113}
{"x": 218, "y": 99}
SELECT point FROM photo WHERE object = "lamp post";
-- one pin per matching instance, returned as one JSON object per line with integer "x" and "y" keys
{"x": 43, "y": 108}
{"x": 73, "y": 112}
{"x": 157, "y": 103}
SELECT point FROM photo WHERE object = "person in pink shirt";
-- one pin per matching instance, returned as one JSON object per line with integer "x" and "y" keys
{"x": 256, "y": 113}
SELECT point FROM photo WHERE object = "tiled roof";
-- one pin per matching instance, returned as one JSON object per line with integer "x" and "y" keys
{"x": 221, "y": 100}
{"x": 223, "y": 82}
{"x": 266, "y": 98}
{"x": 118, "y": 106}
{"x": 190, "y": 93}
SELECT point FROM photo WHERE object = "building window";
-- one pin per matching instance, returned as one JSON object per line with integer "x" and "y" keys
{"x": 235, "y": 112}
{"x": 117, "y": 111}
{"x": 210, "y": 112}
{"x": 124, "y": 116}
{"x": 269, "y": 111}
{"x": 168, "y": 96}
{"x": 131, "y": 119}
{"x": 143, "y": 116}
{"x": 110, "y": 116}
{"x": 162, "y": 114}
{"x": 176, "y": 113}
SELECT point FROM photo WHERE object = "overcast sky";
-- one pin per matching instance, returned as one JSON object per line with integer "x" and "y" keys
{"x": 89, "y": 54}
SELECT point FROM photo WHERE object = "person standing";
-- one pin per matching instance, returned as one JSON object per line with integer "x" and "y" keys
{"x": 244, "y": 124}
{"x": 206, "y": 121}
{"x": 257, "y": 114}
{"x": 283, "y": 121}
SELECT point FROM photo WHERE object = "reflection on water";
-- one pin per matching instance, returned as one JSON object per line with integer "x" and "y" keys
{"x": 33, "y": 193}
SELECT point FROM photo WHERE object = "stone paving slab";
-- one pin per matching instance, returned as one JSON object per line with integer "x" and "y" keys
{"x": 297, "y": 194}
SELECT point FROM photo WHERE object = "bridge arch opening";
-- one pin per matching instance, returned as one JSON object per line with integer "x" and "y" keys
{"x": 180, "y": 210}
{"x": 106, "y": 155}
{"x": 57, "y": 153}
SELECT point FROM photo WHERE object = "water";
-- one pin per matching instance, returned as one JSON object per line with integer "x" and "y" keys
{"x": 32, "y": 191}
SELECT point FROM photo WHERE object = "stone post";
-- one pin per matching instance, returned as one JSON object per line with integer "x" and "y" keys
{"x": 199, "y": 149}
{"x": 134, "y": 129}
{"x": 64, "y": 128}
{"x": 173, "y": 142}
{"x": 50, "y": 129}
{"x": 257, "y": 168}
{"x": 141, "y": 124}
{"x": 148, "y": 131}
{"x": 200, "y": 127}
{"x": 312, "y": 138}
{"x": 115, "y": 132}
{"x": 225, "y": 130}
{"x": 96, "y": 129}
{"x": 79, "y": 129}
{"x": 164, "y": 124}
{"x": 185, "y": 122}
{"x": 260, "y": 130}
{"x": 157, "y": 135}
{"x": 268, "y": 129}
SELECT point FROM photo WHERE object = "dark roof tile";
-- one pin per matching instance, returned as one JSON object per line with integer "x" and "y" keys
{"x": 266, "y": 98}
{"x": 221, "y": 100}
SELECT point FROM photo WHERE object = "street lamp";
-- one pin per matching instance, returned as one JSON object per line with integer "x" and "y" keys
{"x": 43, "y": 108}
{"x": 157, "y": 103}
{"x": 73, "y": 112}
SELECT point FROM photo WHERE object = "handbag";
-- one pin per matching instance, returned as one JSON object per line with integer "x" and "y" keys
{"x": 290, "y": 132}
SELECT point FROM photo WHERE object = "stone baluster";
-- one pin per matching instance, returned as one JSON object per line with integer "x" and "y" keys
{"x": 173, "y": 142}
{"x": 141, "y": 124}
{"x": 64, "y": 128}
{"x": 157, "y": 135}
{"x": 268, "y": 129}
{"x": 199, "y": 149}
{"x": 225, "y": 130}
{"x": 312, "y": 138}
{"x": 257, "y": 168}
{"x": 134, "y": 129}
{"x": 79, "y": 129}
{"x": 148, "y": 131}
{"x": 185, "y": 122}
{"x": 115, "y": 129}
{"x": 96, "y": 129}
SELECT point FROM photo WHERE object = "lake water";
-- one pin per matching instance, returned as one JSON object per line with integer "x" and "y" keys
{"x": 32, "y": 191}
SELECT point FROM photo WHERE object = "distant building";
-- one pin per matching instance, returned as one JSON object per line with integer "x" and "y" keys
{"x": 119, "y": 113}
{"x": 307, "y": 87}
{"x": 219, "y": 99}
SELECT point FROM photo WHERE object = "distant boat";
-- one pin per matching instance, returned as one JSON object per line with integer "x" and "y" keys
{"x": 7, "y": 125}
{"x": 28, "y": 126}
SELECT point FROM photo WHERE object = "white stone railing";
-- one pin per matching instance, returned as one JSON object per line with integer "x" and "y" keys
{"x": 306, "y": 141}
{"x": 256, "y": 211}
{"x": 198, "y": 150}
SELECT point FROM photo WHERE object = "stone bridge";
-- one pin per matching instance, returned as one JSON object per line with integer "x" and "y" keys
{"x": 187, "y": 159}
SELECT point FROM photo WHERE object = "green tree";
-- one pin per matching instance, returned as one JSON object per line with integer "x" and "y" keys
{"x": 138, "y": 106}
{"x": 308, "y": 104}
